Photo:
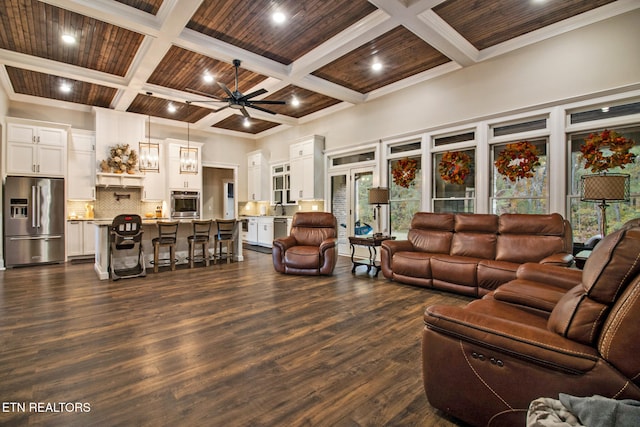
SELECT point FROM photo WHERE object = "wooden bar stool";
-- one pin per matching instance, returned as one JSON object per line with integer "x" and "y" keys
{"x": 200, "y": 236}
{"x": 167, "y": 236}
{"x": 225, "y": 232}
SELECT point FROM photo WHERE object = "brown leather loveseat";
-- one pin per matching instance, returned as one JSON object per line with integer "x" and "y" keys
{"x": 310, "y": 249}
{"x": 473, "y": 254}
{"x": 551, "y": 330}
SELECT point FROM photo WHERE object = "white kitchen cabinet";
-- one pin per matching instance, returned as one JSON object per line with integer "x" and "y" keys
{"x": 252, "y": 231}
{"x": 81, "y": 174}
{"x": 258, "y": 176}
{"x": 36, "y": 150}
{"x": 81, "y": 238}
{"x": 180, "y": 180}
{"x": 280, "y": 184}
{"x": 265, "y": 231}
{"x": 307, "y": 171}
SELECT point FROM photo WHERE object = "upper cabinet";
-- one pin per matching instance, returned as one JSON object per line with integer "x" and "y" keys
{"x": 184, "y": 165}
{"x": 307, "y": 171}
{"x": 258, "y": 176}
{"x": 36, "y": 150}
{"x": 81, "y": 174}
{"x": 281, "y": 184}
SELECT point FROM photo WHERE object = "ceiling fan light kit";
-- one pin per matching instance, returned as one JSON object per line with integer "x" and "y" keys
{"x": 239, "y": 101}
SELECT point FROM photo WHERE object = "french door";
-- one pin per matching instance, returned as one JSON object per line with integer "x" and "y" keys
{"x": 349, "y": 199}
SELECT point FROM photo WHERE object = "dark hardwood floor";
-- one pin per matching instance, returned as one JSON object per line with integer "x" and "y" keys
{"x": 228, "y": 345}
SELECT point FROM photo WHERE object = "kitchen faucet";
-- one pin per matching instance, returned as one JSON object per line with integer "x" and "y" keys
{"x": 281, "y": 206}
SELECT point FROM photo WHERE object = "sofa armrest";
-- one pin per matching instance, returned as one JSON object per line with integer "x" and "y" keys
{"x": 387, "y": 249}
{"x": 284, "y": 243}
{"x": 561, "y": 259}
{"x": 560, "y": 277}
{"x": 507, "y": 330}
{"x": 328, "y": 243}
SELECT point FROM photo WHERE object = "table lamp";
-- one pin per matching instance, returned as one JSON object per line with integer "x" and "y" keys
{"x": 378, "y": 196}
{"x": 613, "y": 187}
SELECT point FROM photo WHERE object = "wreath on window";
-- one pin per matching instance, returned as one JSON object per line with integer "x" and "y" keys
{"x": 454, "y": 167}
{"x": 123, "y": 159}
{"x": 404, "y": 172}
{"x": 517, "y": 160}
{"x": 618, "y": 145}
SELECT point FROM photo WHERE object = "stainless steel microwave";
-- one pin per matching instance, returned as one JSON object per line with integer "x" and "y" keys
{"x": 185, "y": 204}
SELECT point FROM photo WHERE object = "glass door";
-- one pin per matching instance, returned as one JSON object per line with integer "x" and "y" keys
{"x": 349, "y": 201}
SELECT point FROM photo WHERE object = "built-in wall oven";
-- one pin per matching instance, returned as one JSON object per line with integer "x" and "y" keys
{"x": 185, "y": 204}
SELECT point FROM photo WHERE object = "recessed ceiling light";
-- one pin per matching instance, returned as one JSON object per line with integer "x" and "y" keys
{"x": 171, "y": 108}
{"x": 295, "y": 101}
{"x": 605, "y": 109}
{"x": 278, "y": 17}
{"x": 208, "y": 78}
{"x": 65, "y": 87}
{"x": 376, "y": 66}
{"x": 68, "y": 39}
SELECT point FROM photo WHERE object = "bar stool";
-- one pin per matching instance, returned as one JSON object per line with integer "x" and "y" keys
{"x": 167, "y": 236}
{"x": 226, "y": 228}
{"x": 200, "y": 236}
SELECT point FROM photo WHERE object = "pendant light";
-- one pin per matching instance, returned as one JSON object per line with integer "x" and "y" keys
{"x": 188, "y": 155}
{"x": 149, "y": 153}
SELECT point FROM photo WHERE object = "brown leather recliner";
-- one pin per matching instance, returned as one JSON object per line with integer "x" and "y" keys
{"x": 310, "y": 249}
{"x": 551, "y": 330}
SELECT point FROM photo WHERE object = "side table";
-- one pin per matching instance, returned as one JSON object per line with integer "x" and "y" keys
{"x": 370, "y": 243}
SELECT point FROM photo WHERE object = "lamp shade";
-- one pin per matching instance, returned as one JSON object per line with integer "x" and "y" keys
{"x": 379, "y": 196}
{"x": 608, "y": 187}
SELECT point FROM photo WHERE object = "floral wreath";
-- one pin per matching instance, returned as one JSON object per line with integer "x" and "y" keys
{"x": 517, "y": 160}
{"x": 404, "y": 172}
{"x": 123, "y": 159}
{"x": 454, "y": 167}
{"x": 618, "y": 145}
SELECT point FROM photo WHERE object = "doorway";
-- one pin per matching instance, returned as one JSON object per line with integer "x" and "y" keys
{"x": 349, "y": 199}
{"x": 218, "y": 192}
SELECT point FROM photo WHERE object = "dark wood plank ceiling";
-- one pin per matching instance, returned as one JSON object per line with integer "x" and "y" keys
{"x": 165, "y": 47}
{"x": 248, "y": 24}
{"x": 401, "y": 53}
{"x": 184, "y": 70}
{"x": 237, "y": 123}
{"x": 29, "y": 26}
{"x": 149, "y": 6}
{"x": 48, "y": 86}
{"x": 502, "y": 20}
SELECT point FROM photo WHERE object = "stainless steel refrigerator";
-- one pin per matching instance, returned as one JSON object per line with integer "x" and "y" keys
{"x": 33, "y": 220}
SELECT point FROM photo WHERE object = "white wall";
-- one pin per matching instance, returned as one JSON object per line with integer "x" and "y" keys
{"x": 592, "y": 60}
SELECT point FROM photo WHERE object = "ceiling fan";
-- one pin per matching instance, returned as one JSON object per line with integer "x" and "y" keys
{"x": 237, "y": 100}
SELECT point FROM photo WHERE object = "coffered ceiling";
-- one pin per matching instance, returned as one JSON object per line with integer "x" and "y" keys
{"x": 145, "y": 56}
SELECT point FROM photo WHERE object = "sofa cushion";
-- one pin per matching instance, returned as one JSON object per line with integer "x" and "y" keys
{"x": 531, "y": 224}
{"x": 454, "y": 269}
{"x": 492, "y": 274}
{"x": 302, "y": 257}
{"x": 480, "y": 223}
{"x": 612, "y": 264}
{"x": 433, "y": 241}
{"x": 409, "y": 263}
{"x": 477, "y": 245}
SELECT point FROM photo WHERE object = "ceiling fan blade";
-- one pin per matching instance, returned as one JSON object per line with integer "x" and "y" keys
{"x": 226, "y": 89}
{"x": 260, "y": 108}
{"x": 265, "y": 101}
{"x": 245, "y": 113}
{"x": 221, "y": 108}
{"x": 253, "y": 94}
{"x": 208, "y": 95}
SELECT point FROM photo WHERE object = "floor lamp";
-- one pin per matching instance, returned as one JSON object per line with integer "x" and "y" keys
{"x": 613, "y": 187}
{"x": 378, "y": 196}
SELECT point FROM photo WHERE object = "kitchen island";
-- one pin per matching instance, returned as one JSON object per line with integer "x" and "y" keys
{"x": 150, "y": 230}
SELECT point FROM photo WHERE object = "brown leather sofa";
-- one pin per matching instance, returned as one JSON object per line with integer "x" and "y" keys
{"x": 551, "y": 330}
{"x": 473, "y": 254}
{"x": 310, "y": 248}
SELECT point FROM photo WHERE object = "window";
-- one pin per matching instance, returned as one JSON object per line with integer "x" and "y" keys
{"x": 454, "y": 196}
{"x": 405, "y": 195}
{"x": 585, "y": 216}
{"x": 526, "y": 195}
